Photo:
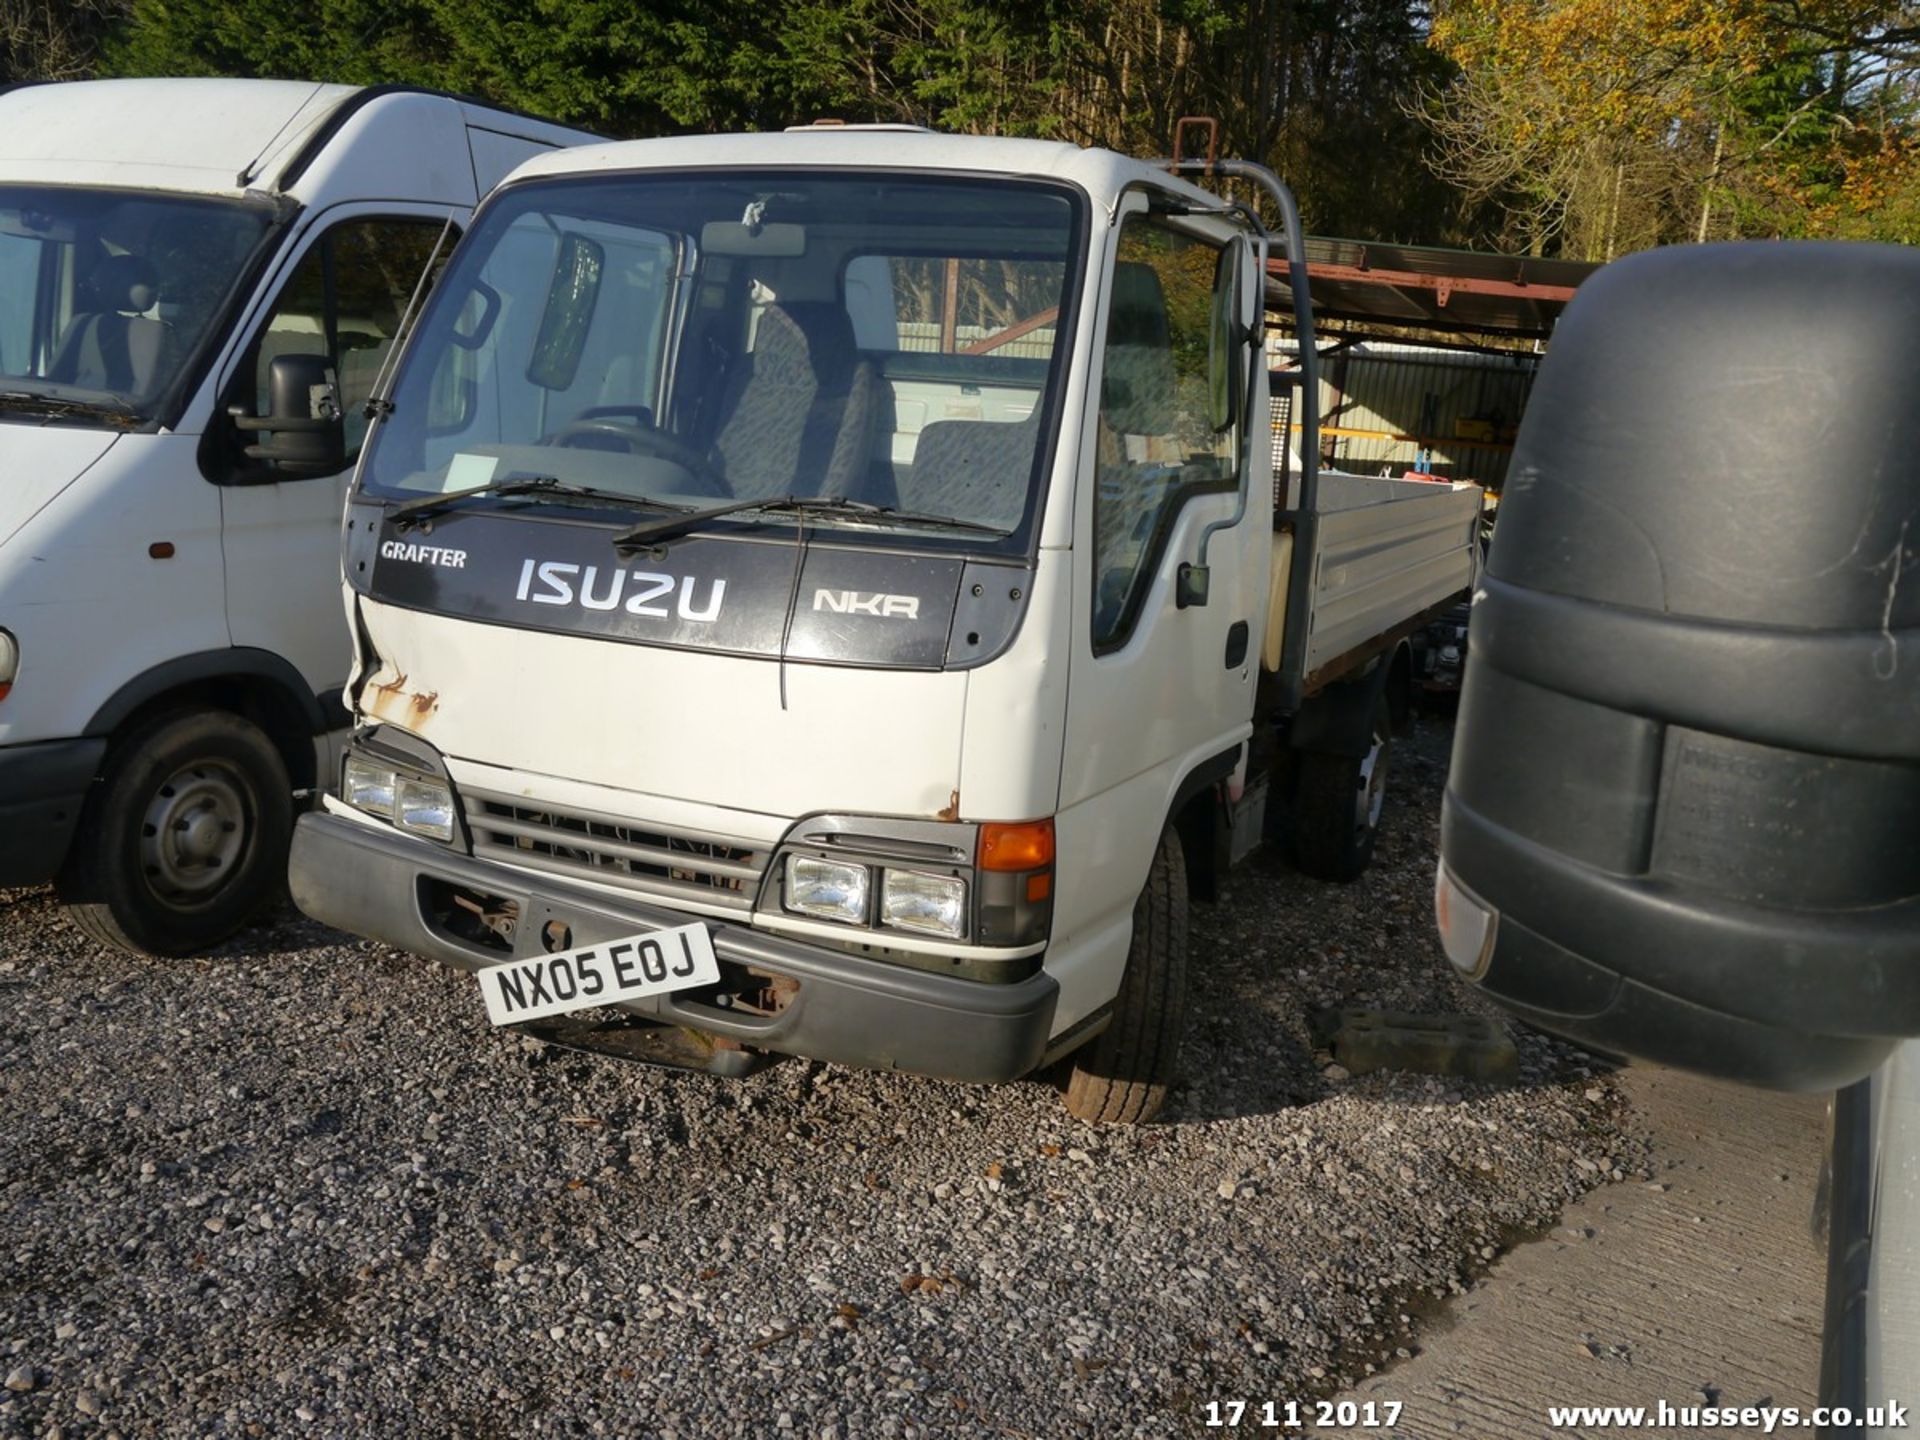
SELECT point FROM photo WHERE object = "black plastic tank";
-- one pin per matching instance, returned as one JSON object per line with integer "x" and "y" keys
{"x": 1683, "y": 816}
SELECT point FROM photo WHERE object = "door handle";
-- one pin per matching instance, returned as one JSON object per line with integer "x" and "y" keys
{"x": 1236, "y": 644}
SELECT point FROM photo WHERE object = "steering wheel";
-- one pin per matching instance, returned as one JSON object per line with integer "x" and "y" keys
{"x": 649, "y": 440}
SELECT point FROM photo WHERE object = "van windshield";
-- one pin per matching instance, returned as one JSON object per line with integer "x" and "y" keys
{"x": 106, "y": 294}
{"x": 892, "y": 340}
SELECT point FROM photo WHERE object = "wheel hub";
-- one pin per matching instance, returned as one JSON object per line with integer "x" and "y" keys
{"x": 194, "y": 831}
{"x": 1370, "y": 796}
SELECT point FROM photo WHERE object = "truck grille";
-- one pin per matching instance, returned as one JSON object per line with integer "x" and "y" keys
{"x": 648, "y": 859}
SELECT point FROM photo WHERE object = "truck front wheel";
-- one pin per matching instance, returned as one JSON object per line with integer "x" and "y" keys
{"x": 184, "y": 838}
{"x": 1123, "y": 1075}
{"x": 1337, "y": 801}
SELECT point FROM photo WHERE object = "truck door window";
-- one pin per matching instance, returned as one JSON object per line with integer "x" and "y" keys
{"x": 1155, "y": 442}
{"x": 344, "y": 300}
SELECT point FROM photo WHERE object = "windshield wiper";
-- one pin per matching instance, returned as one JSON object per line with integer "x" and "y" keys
{"x": 54, "y": 405}
{"x": 895, "y": 516}
{"x": 409, "y": 511}
{"x": 667, "y": 526}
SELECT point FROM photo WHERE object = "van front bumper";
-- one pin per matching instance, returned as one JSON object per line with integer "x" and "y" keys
{"x": 843, "y": 1009}
{"x": 43, "y": 788}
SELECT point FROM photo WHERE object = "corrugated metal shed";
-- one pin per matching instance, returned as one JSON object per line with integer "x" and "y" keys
{"x": 1386, "y": 408}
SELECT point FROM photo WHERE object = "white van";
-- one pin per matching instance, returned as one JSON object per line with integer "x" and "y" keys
{"x": 181, "y": 260}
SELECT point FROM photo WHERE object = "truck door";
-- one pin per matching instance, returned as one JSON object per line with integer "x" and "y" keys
{"x": 342, "y": 297}
{"x": 1156, "y": 688}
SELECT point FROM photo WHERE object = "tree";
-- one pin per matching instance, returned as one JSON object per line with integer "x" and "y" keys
{"x": 52, "y": 39}
{"x": 1307, "y": 85}
{"x": 1583, "y": 118}
{"x": 1599, "y": 126}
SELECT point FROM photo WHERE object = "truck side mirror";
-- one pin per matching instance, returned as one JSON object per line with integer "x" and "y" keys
{"x": 1683, "y": 817}
{"x": 303, "y": 425}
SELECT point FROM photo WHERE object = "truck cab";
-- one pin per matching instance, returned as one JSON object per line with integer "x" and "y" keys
{"x": 856, "y": 547}
{"x": 200, "y": 281}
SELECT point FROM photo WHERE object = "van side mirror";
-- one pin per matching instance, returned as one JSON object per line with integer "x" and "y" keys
{"x": 303, "y": 428}
{"x": 1683, "y": 816}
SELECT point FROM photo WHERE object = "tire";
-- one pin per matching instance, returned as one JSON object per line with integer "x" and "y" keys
{"x": 185, "y": 837}
{"x": 1122, "y": 1076}
{"x": 1337, "y": 801}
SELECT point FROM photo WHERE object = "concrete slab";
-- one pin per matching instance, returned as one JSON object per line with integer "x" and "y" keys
{"x": 1702, "y": 1287}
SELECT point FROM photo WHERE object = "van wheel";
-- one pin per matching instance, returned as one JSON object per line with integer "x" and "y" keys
{"x": 1337, "y": 801}
{"x": 1123, "y": 1075}
{"x": 184, "y": 838}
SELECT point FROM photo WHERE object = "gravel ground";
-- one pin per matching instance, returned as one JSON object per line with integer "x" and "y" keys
{"x": 302, "y": 1188}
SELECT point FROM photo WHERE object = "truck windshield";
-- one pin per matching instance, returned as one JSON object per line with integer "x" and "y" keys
{"x": 105, "y": 294}
{"x": 892, "y": 340}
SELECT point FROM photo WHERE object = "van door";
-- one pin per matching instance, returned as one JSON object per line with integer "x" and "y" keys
{"x": 342, "y": 296}
{"x": 1156, "y": 689}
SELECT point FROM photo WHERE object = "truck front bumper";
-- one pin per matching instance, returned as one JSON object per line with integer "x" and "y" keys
{"x": 43, "y": 788}
{"x": 840, "y": 1008}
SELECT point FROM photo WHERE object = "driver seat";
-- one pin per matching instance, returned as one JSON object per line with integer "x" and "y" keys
{"x": 799, "y": 414}
{"x": 116, "y": 348}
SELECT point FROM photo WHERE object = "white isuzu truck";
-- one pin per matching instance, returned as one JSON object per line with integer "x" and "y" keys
{"x": 199, "y": 282}
{"x": 828, "y": 593}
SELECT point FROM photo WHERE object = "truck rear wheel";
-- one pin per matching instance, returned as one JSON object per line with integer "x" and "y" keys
{"x": 185, "y": 837}
{"x": 1123, "y": 1075}
{"x": 1337, "y": 801}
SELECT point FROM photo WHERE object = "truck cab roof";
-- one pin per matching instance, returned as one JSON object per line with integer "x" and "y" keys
{"x": 229, "y": 137}
{"x": 1103, "y": 174}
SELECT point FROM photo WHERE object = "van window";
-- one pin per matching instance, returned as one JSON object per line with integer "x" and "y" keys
{"x": 344, "y": 300}
{"x": 1155, "y": 443}
{"x": 106, "y": 295}
{"x": 19, "y": 280}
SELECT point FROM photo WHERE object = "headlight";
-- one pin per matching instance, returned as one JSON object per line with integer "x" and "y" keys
{"x": 370, "y": 787}
{"x": 827, "y": 889}
{"x": 9, "y": 662}
{"x": 418, "y": 804}
{"x": 930, "y": 904}
{"x": 426, "y": 808}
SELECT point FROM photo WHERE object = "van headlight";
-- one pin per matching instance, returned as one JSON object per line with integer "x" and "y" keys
{"x": 426, "y": 808}
{"x": 369, "y": 786}
{"x": 926, "y": 904}
{"x": 419, "y": 804}
{"x": 988, "y": 884}
{"x": 9, "y": 662}
{"x": 827, "y": 889}
{"x": 912, "y": 900}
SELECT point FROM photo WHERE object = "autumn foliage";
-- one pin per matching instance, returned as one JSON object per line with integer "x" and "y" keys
{"x": 1569, "y": 127}
{"x": 1601, "y": 126}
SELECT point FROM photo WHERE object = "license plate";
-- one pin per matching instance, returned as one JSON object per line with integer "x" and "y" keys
{"x": 652, "y": 963}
